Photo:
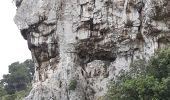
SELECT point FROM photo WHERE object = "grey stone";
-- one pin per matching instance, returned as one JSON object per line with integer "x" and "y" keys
{"x": 89, "y": 41}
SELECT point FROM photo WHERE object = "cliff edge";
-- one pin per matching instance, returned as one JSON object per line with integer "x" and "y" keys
{"x": 79, "y": 46}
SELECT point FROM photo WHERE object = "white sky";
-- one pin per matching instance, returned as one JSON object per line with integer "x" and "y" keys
{"x": 12, "y": 45}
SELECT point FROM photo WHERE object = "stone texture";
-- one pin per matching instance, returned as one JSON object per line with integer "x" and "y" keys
{"x": 89, "y": 41}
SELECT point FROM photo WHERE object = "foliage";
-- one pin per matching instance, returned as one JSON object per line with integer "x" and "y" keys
{"x": 72, "y": 85}
{"x": 30, "y": 67}
{"x": 159, "y": 65}
{"x": 2, "y": 91}
{"x": 21, "y": 94}
{"x": 17, "y": 84}
{"x": 20, "y": 74}
{"x": 9, "y": 97}
{"x": 18, "y": 95}
{"x": 143, "y": 81}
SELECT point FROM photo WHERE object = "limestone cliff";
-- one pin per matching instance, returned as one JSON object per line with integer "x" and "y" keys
{"x": 87, "y": 42}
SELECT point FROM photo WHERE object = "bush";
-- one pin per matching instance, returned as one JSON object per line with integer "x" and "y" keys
{"x": 21, "y": 94}
{"x": 72, "y": 85}
{"x": 144, "y": 81}
{"x": 9, "y": 97}
{"x": 159, "y": 66}
{"x": 17, "y": 83}
{"x": 18, "y": 95}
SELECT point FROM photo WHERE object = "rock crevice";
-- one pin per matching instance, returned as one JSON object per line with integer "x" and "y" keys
{"x": 88, "y": 42}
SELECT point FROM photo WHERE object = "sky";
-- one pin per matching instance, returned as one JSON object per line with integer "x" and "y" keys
{"x": 12, "y": 45}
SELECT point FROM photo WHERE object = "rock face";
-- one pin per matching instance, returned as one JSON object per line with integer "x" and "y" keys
{"x": 78, "y": 46}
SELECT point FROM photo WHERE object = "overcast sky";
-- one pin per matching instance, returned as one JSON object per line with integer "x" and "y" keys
{"x": 12, "y": 45}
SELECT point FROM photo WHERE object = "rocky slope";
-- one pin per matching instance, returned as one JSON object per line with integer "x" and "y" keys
{"x": 78, "y": 46}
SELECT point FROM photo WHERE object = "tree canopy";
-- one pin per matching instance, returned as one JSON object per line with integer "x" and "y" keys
{"x": 144, "y": 81}
{"x": 18, "y": 79}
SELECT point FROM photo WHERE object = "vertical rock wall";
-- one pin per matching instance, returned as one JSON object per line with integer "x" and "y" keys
{"x": 78, "y": 46}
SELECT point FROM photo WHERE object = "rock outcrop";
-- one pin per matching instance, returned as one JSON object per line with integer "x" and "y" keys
{"x": 79, "y": 46}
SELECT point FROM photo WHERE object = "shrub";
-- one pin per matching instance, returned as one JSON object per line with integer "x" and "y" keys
{"x": 9, "y": 97}
{"x": 149, "y": 81}
{"x": 159, "y": 65}
{"x": 72, "y": 85}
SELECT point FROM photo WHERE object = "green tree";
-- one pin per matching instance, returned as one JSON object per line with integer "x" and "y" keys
{"x": 2, "y": 91}
{"x": 30, "y": 68}
{"x": 144, "y": 81}
{"x": 20, "y": 75}
{"x": 159, "y": 66}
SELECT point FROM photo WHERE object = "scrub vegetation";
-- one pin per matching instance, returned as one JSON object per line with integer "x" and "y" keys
{"x": 144, "y": 81}
{"x": 17, "y": 84}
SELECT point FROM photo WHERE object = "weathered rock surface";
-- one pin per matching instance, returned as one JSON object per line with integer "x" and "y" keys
{"x": 88, "y": 41}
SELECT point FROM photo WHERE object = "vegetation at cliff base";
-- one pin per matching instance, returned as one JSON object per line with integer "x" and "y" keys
{"x": 17, "y": 84}
{"x": 144, "y": 81}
